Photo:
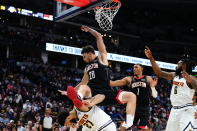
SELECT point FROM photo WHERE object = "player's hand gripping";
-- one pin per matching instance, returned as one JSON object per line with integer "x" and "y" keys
{"x": 85, "y": 28}
{"x": 148, "y": 52}
{"x": 63, "y": 92}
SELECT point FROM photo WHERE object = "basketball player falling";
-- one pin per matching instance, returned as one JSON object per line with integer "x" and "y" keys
{"x": 183, "y": 89}
{"x": 91, "y": 119}
{"x": 97, "y": 77}
{"x": 141, "y": 86}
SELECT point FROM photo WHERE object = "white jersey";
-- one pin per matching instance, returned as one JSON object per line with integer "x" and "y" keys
{"x": 181, "y": 94}
{"x": 93, "y": 120}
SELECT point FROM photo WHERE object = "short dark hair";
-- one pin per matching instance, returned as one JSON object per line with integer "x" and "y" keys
{"x": 88, "y": 49}
{"x": 190, "y": 65}
{"x": 140, "y": 65}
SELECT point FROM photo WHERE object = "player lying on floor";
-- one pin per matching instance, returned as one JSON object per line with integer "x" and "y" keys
{"x": 91, "y": 119}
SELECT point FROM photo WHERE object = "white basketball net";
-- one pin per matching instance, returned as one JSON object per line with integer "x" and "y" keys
{"x": 105, "y": 14}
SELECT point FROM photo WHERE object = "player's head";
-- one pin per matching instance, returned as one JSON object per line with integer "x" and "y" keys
{"x": 64, "y": 118}
{"x": 88, "y": 53}
{"x": 138, "y": 69}
{"x": 184, "y": 65}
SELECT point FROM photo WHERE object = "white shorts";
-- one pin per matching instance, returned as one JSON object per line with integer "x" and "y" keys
{"x": 181, "y": 119}
{"x": 111, "y": 127}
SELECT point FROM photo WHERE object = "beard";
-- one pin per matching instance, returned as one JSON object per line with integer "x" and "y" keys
{"x": 178, "y": 71}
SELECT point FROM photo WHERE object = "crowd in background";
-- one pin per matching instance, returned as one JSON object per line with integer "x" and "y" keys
{"x": 15, "y": 35}
{"x": 28, "y": 87}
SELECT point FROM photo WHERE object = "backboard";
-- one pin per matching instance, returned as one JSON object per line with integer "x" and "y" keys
{"x": 63, "y": 12}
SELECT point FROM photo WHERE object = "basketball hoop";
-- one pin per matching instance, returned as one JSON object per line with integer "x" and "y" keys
{"x": 105, "y": 13}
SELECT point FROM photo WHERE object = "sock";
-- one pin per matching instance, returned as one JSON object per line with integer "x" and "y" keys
{"x": 129, "y": 121}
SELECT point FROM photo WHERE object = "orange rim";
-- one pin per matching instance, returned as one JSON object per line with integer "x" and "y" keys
{"x": 115, "y": 1}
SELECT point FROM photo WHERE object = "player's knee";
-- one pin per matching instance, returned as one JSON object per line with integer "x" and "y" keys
{"x": 84, "y": 87}
{"x": 85, "y": 90}
{"x": 131, "y": 96}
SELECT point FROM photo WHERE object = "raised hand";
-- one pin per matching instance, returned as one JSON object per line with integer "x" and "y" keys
{"x": 148, "y": 52}
{"x": 85, "y": 28}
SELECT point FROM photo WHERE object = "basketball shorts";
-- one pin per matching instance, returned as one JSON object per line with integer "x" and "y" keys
{"x": 111, "y": 97}
{"x": 141, "y": 119}
{"x": 182, "y": 119}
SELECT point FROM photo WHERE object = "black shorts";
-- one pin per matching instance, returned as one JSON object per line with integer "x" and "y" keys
{"x": 142, "y": 115}
{"x": 111, "y": 97}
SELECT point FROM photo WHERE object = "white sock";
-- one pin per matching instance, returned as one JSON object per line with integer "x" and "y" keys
{"x": 129, "y": 121}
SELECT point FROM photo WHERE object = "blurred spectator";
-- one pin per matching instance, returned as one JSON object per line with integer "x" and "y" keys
{"x": 20, "y": 126}
{"x": 26, "y": 101}
{"x": 11, "y": 126}
{"x": 27, "y": 106}
{"x": 46, "y": 123}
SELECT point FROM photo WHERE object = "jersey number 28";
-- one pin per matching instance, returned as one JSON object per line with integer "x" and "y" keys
{"x": 91, "y": 75}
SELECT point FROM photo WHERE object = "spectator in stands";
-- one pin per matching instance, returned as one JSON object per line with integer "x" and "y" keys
{"x": 39, "y": 92}
{"x": 20, "y": 126}
{"x": 11, "y": 126}
{"x": 46, "y": 123}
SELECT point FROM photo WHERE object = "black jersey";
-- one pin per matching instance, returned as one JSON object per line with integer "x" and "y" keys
{"x": 98, "y": 75}
{"x": 141, "y": 89}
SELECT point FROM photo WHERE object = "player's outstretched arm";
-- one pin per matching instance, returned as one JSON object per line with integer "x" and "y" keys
{"x": 157, "y": 70}
{"x": 100, "y": 44}
{"x": 62, "y": 92}
{"x": 123, "y": 82}
{"x": 95, "y": 100}
{"x": 191, "y": 80}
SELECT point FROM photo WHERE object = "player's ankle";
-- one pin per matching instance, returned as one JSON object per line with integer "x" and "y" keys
{"x": 129, "y": 120}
